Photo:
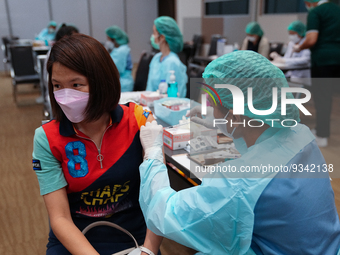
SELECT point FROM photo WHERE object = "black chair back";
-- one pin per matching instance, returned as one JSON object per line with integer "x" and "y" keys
{"x": 213, "y": 44}
{"x": 22, "y": 59}
{"x": 142, "y": 71}
{"x": 194, "y": 71}
{"x": 276, "y": 46}
{"x": 197, "y": 43}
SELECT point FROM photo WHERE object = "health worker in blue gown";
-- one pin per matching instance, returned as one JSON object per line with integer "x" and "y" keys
{"x": 266, "y": 212}
{"x": 48, "y": 33}
{"x": 121, "y": 56}
{"x": 167, "y": 38}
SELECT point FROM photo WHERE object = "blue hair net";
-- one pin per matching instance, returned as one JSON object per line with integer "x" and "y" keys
{"x": 167, "y": 26}
{"x": 119, "y": 35}
{"x": 249, "y": 69}
{"x": 254, "y": 28}
{"x": 52, "y": 23}
{"x": 298, "y": 27}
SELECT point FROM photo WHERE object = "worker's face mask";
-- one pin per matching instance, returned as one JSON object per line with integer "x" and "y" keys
{"x": 109, "y": 45}
{"x": 51, "y": 30}
{"x": 309, "y": 7}
{"x": 153, "y": 44}
{"x": 251, "y": 38}
{"x": 73, "y": 103}
{"x": 224, "y": 130}
{"x": 294, "y": 38}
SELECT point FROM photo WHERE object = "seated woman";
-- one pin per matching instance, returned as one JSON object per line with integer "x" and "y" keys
{"x": 121, "y": 56}
{"x": 48, "y": 33}
{"x": 82, "y": 158}
{"x": 274, "y": 199}
{"x": 255, "y": 40}
{"x": 297, "y": 32}
{"x": 168, "y": 39}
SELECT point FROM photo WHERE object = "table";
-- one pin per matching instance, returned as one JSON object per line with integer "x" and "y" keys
{"x": 178, "y": 166}
{"x": 284, "y": 67}
{"x": 41, "y": 50}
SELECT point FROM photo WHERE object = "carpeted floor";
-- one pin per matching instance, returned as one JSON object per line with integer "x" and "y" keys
{"x": 23, "y": 217}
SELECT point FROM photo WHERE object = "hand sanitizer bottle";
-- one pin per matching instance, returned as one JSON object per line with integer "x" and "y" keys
{"x": 172, "y": 88}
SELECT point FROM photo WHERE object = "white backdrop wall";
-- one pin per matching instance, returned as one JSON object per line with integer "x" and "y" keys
{"x": 92, "y": 17}
{"x": 108, "y": 13}
{"x": 140, "y": 17}
{"x": 72, "y": 12}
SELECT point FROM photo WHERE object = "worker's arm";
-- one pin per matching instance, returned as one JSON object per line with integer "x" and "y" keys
{"x": 201, "y": 217}
{"x": 62, "y": 225}
{"x": 152, "y": 241}
{"x": 311, "y": 39}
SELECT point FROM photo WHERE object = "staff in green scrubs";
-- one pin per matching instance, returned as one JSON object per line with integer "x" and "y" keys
{"x": 323, "y": 39}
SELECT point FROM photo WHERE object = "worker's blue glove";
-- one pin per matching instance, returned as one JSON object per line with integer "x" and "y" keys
{"x": 151, "y": 137}
{"x": 208, "y": 121}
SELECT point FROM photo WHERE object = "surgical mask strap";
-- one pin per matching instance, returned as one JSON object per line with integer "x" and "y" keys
{"x": 232, "y": 132}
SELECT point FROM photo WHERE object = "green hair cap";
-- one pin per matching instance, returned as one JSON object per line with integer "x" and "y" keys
{"x": 254, "y": 28}
{"x": 245, "y": 69}
{"x": 298, "y": 27}
{"x": 118, "y": 34}
{"x": 167, "y": 26}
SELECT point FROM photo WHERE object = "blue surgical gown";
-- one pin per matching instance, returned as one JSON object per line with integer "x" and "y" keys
{"x": 160, "y": 70}
{"x": 122, "y": 58}
{"x": 270, "y": 213}
{"x": 45, "y": 35}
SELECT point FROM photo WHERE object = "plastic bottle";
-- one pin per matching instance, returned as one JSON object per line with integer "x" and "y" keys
{"x": 173, "y": 87}
{"x": 163, "y": 87}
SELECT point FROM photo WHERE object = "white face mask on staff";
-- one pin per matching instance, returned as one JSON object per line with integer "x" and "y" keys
{"x": 251, "y": 38}
{"x": 294, "y": 38}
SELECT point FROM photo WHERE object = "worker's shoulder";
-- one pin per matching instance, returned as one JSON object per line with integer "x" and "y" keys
{"x": 326, "y": 8}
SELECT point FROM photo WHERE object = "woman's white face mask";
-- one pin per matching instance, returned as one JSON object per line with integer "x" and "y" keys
{"x": 294, "y": 38}
{"x": 251, "y": 38}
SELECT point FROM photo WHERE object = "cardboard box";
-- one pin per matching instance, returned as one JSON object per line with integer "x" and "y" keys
{"x": 176, "y": 138}
{"x": 147, "y": 98}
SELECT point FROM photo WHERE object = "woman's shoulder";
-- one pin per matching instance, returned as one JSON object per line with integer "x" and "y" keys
{"x": 137, "y": 112}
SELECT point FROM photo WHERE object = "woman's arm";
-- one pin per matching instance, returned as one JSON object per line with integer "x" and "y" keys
{"x": 264, "y": 47}
{"x": 62, "y": 225}
{"x": 244, "y": 44}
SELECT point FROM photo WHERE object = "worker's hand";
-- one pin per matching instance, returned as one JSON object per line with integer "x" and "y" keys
{"x": 141, "y": 251}
{"x": 296, "y": 48}
{"x": 208, "y": 121}
{"x": 151, "y": 137}
{"x": 274, "y": 55}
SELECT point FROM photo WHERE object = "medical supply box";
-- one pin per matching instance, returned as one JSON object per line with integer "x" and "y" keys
{"x": 176, "y": 138}
{"x": 171, "y": 109}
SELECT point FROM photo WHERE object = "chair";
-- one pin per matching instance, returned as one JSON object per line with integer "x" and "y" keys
{"x": 213, "y": 44}
{"x": 194, "y": 71}
{"x": 22, "y": 67}
{"x": 276, "y": 46}
{"x": 4, "y": 46}
{"x": 192, "y": 49}
{"x": 142, "y": 71}
{"x": 47, "y": 111}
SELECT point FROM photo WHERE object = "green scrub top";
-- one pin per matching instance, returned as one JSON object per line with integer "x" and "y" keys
{"x": 325, "y": 19}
